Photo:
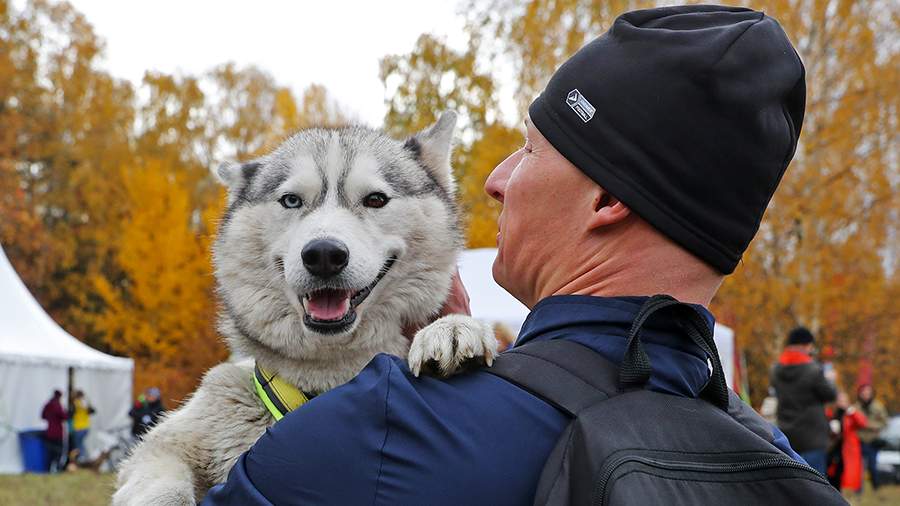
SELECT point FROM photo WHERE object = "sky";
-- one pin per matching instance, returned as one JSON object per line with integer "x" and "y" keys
{"x": 337, "y": 43}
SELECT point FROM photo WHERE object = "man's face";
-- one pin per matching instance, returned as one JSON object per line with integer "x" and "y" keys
{"x": 544, "y": 199}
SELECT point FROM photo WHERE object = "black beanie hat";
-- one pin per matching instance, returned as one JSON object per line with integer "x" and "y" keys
{"x": 800, "y": 335}
{"x": 689, "y": 115}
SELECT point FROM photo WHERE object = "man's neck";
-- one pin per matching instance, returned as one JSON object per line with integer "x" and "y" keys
{"x": 617, "y": 268}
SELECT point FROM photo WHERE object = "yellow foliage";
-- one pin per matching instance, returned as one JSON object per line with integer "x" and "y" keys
{"x": 161, "y": 311}
{"x": 105, "y": 198}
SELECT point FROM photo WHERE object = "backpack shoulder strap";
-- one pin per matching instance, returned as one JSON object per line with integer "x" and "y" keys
{"x": 567, "y": 375}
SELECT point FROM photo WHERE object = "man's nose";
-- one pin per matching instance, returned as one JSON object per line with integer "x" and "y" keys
{"x": 495, "y": 186}
{"x": 325, "y": 257}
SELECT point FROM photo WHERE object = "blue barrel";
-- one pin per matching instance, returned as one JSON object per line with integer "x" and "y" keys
{"x": 34, "y": 452}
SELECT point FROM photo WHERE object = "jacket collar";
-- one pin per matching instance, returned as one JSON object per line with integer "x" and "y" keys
{"x": 602, "y": 324}
{"x": 794, "y": 356}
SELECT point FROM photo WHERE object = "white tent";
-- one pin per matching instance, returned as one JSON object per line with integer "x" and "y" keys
{"x": 490, "y": 302}
{"x": 36, "y": 357}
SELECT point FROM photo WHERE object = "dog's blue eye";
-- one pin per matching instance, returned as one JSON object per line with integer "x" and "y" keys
{"x": 376, "y": 200}
{"x": 290, "y": 201}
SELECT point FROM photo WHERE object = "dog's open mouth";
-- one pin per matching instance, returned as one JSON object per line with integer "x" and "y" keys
{"x": 333, "y": 310}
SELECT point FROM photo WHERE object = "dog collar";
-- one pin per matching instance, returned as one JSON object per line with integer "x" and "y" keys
{"x": 279, "y": 396}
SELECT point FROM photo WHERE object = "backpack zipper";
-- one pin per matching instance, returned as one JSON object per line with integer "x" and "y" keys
{"x": 677, "y": 465}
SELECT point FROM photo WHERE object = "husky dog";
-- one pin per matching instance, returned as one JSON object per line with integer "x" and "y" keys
{"x": 330, "y": 245}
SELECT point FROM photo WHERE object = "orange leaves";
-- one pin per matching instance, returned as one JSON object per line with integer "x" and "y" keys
{"x": 106, "y": 203}
{"x": 163, "y": 306}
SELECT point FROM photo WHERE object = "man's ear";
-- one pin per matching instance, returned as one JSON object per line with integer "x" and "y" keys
{"x": 433, "y": 146}
{"x": 607, "y": 210}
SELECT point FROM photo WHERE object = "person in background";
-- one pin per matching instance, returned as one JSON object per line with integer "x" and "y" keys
{"x": 847, "y": 421}
{"x": 803, "y": 390}
{"x": 155, "y": 408}
{"x": 877, "y": 418}
{"x": 55, "y": 415}
{"x": 136, "y": 414}
{"x": 146, "y": 412}
{"x": 81, "y": 422}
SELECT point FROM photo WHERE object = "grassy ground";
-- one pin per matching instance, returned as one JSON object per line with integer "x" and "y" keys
{"x": 885, "y": 496}
{"x": 86, "y": 488}
{"x": 81, "y": 487}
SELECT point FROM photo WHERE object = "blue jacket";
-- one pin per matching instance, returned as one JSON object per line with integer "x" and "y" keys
{"x": 388, "y": 438}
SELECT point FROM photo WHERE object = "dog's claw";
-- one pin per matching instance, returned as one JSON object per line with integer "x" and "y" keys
{"x": 449, "y": 343}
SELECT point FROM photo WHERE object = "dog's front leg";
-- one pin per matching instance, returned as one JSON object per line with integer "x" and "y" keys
{"x": 155, "y": 474}
{"x": 450, "y": 343}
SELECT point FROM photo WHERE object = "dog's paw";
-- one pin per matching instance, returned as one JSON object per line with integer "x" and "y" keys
{"x": 451, "y": 342}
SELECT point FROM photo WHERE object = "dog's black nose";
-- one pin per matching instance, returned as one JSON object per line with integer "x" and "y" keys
{"x": 325, "y": 257}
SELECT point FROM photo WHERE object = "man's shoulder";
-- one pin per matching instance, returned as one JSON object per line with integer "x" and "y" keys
{"x": 354, "y": 442}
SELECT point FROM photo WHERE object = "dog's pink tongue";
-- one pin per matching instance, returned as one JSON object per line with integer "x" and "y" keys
{"x": 328, "y": 305}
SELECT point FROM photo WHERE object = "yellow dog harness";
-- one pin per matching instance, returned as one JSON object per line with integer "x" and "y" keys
{"x": 279, "y": 396}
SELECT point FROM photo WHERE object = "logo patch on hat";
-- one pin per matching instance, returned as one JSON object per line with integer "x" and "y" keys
{"x": 580, "y": 105}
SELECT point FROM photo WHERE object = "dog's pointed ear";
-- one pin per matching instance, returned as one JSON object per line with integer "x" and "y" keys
{"x": 228, "y": 173}
{"x": 433, "y": 146}
{"x": 235, "y": 175}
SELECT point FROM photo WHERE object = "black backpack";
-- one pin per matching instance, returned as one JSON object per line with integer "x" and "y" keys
{"x": 628, "y": 445}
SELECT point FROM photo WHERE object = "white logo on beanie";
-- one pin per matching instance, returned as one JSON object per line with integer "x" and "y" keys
{"x": 580, "y": 105}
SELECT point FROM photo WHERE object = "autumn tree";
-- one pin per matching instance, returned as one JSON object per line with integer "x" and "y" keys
{"x": 107, "y": 208}
{"x": 161, "y": 312}
{"x": 68, "y": 129}
{"x": 251, "y": 114}
{"x": 433, "y": 78}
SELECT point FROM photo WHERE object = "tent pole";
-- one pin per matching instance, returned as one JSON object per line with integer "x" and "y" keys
{"x": 70, "y": 434}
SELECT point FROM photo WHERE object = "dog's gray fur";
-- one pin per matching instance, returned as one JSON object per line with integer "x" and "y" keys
{"x": 261, "y": 279}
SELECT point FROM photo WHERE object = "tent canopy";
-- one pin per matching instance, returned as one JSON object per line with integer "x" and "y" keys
{"x": 28, "y": 334}
{"x": 37, "y": 357}
{"x": 491, "y": 303}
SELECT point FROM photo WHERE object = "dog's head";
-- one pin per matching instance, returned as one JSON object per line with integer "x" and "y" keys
{"x": 336, "y": 233}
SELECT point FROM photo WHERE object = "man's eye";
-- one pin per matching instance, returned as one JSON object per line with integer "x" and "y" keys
{"x": 290, "y": 201}
{"x": 376, "y": 200}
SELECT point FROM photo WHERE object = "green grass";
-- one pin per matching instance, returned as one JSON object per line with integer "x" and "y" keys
{"x": 885, "y": 496}
{"x": 80, "y": 487}
{"x": 86, "y": 488}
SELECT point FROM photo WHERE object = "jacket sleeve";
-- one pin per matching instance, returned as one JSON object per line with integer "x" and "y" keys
{"x": 824, "y": 390}
{"x": 857, "y": 420}
{"x": 879, "y": 416}
{"x": 326, "y": 452}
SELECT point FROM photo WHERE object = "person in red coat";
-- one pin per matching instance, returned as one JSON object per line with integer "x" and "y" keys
{"x": 55, "y": 415}
{"x": 850, "y": 420}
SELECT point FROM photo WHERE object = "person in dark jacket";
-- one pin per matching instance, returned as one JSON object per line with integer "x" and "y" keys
{"x": 803, "y": 390}
{"x": 618, "y": 193}
{"x": 136, "y": 413}
{"x": 146, "y": 412}
{"x": 55, "y": 415}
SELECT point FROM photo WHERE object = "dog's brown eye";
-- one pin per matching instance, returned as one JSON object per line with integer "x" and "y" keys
{"x": 375, "y": 200}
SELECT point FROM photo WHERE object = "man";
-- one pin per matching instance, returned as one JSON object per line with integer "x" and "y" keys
{"x": 55, "y": 415}
{"x": 649, "y": 160}
{"x": 803, "y": 390}
{"x": 877, "y": 418}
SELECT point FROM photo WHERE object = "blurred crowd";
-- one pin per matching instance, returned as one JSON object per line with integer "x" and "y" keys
{"x": 67, "y": 428}
{"x": 836, "y": 435}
